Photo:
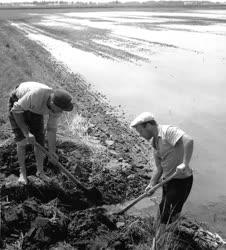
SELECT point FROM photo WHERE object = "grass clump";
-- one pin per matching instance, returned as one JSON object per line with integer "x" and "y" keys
{"x": 76, "y": 128}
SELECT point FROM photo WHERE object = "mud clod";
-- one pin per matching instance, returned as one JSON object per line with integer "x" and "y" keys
{"x": 44, "y": 232}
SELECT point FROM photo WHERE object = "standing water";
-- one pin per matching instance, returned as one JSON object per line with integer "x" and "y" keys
{"x": 172, "y": 64}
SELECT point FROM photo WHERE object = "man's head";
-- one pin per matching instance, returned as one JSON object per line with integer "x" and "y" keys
{"x": 145, "y": 125}
{"x": 61, "y": 101}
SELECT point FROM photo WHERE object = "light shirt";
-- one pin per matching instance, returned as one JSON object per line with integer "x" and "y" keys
{"x": 169, "y": 154}
{"x": 33, "y": 96}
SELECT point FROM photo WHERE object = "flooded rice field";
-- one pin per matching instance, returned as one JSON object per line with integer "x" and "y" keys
{"x": 169, "y": 63}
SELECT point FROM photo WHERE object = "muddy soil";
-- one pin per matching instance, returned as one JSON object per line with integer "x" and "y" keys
{"x": 42, "y": 215}
{"x": 45, "y": 213}
{"x": 57, "y": 214}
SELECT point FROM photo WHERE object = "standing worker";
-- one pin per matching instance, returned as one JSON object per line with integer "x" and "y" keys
{"x": 28, "y": 104}
{"x": 172, "y": 153}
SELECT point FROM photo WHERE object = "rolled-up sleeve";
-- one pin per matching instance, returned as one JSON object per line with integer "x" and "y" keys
{"x": 22, "y": 104}
{"x": 173, "y": 134}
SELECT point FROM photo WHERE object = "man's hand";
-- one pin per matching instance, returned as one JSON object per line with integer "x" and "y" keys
{"x": 148, "y": 188}
{"x": 30, "y": 138}
{"x": 181, "y": 169}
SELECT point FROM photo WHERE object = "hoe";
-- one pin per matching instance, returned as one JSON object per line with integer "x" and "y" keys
{"x": 92, "y": 194}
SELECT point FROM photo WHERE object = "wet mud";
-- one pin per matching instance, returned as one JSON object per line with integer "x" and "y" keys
{"x": 49, "y": 215}
{"x": 41, "y": 214}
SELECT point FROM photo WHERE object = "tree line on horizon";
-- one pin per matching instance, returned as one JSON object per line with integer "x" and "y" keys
{"x": 114, "y": 3}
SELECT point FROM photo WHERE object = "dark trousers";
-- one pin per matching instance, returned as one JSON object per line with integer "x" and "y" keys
{"x": 174, "y": 195}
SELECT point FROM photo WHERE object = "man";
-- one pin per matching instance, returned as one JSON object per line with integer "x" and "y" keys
{"x": 28, "y": 104}
{"x": 172, "y": 153}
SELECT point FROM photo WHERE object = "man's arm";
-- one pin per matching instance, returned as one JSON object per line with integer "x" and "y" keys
{"x": 157, "y": 173}
{"x": 187, "y": 143}
{"x": 51, "y": 137}
{"x": 188, "y": 148}
{"x": 51, "y": 134}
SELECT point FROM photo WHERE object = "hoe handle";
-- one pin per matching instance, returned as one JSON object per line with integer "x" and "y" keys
{"x": 152, "y": 190}
{"x": 61, "y": 167}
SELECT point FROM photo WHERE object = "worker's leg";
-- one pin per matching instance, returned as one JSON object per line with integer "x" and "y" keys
{"x": 39, "y": 156}
{"x": 166, "y": 211}
{"x": 160, "y": 229}
{"x": 21, "y": 150}
{"x": 36, "y": 125}
{"x": 160, "y": 225}
{"x": 158, "y": 240}
{"x": 160, "y": 232}
{"x": 19, "y": 139}
{"x": 184, "y": 188}
{"x": 176, "y": 193}
{"x": 174, "y": 196}
{"x": 175, "y": 217}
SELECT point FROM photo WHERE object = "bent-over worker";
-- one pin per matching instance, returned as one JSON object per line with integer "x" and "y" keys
{"x": 28, "y": 104}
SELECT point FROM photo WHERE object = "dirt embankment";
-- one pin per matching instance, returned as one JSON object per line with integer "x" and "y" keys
{"x": 27, "y": 209}
{"x": 57, "y": 215}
